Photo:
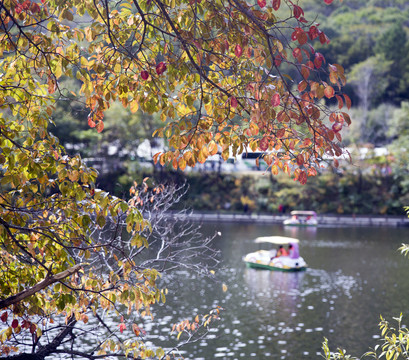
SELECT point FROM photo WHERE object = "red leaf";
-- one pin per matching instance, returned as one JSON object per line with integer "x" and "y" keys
{"x": 35, "y": 8}
{"x": 25, "y": 324}
{"x": 14, "y": 323}
{"x": 263, "y": 144}
{"x": 233, "y": 102}
{"x": 302, "y": 178}
{"x": 323, "y": 38}
{"x": 275, "y": 100}
{"x": 302, "y": 37}
{"x": 144, "y": 75}
{"x": 278, "y": 59}
{"x": 261, "y": 3}
{"x": 122, "y": 327}
{"x": 328, "y": 2}
{"x": 238, "y": 50}
{"x": 319, "y": 58}
{"x": 91, "y": 123}
{"x": 297, "y": 54}
{"x": 276, "y": 4}
{"x": 298, "y": 11}
{"x": 26, "y": 4}
{"x": 4, "y": 316}
{"x": 300, "y": 160}
{"x": 336, "y": 127}
{"x": 313, "y": 32}
{"x": 161, "y": 68}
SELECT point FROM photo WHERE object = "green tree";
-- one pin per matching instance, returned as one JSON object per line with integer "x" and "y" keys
{"x": 393, "y": 45}
{"x": 70, "y": 253}
{"x": 370, "y": 81}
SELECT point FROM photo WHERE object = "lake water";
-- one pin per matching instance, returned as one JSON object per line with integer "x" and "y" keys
{"x": 354, "y": 275}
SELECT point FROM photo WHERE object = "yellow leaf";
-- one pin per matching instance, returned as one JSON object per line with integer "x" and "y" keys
{"x": 134, "y": 106}
{"x": 224, "y": 287}
{"x": 274, "y": 170}
{"x": 182, "y": 163}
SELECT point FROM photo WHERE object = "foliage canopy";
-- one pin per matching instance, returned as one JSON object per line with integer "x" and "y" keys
{"x": 216, "y": 71}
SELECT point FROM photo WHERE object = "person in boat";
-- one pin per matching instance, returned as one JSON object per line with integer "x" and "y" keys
{"x": 281, "y": 251}
{"x": 293, "y": 251}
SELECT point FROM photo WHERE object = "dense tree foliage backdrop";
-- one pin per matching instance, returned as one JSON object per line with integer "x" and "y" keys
{"x": 370, "y": 40}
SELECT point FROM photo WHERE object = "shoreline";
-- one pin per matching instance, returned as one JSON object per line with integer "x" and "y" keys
{"x": 323, "y": 220}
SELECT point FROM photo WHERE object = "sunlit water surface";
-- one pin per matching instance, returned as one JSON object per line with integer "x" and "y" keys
{"x": 354, "y": 275}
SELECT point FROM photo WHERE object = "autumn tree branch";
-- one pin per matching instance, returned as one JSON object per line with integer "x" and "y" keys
{"x": 40, "y": 286}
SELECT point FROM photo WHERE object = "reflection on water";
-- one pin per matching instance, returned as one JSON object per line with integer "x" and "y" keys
{"x": 354, "y": 275}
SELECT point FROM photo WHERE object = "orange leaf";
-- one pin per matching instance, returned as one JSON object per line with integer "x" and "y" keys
{"x": 280, "y": 133}
{"x": 346, "y": 118}
{"x": 283, "y": 117}
{"x": 305, "y": 72}
{"x": 162, "y": 159}
{"x": 100, "y": 126}
{"x": 254, "y": 129}
{"x": 182, "y": 163}
{"x": 136, "y": 329}
{"x": 340, "y": 101}
{"x": 347, "y": 101}
{"x": 329, "y": 92}
{"x": 91, "y": 123}
{"x": 302, "y": 85}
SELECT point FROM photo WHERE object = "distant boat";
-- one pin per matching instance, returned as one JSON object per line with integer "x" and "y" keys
{"x": 302, "y": 218}
{"x": 267, "y": 259}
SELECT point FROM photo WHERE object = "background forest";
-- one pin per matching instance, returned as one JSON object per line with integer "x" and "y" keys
{"x": 370, "y": 39}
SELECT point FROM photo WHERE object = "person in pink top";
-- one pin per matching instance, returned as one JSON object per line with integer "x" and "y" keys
{"x": 293, "y": 251}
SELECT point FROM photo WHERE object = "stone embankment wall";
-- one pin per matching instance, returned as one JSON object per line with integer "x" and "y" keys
{"x": 323, "y": 220}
